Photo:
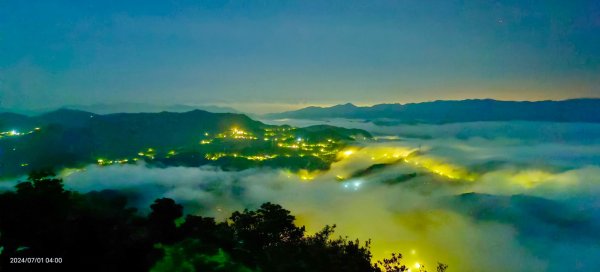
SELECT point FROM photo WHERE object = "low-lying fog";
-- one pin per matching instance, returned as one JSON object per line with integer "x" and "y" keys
{"x": 536, "y": 207}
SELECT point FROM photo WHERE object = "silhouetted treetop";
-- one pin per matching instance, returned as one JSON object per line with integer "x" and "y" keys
{"x": 41, "y": 218}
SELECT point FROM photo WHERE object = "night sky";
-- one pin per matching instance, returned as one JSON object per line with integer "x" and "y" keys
{"x": 273, "y": 55}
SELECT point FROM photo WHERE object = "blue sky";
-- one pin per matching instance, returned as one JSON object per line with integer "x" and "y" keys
{"x": 258, "y": 55}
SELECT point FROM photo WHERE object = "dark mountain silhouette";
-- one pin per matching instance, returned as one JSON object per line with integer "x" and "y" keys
{"x": 71, "y": 138}
{"x": 129, "y": 107}
{"x": 62, "y": 117}
{"x": 143, "y": 107}
{"x": 572, "y": 110}
{"x": 167, "y": 122}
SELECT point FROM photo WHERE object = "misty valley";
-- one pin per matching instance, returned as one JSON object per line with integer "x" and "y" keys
{"x": 436, "y": 191}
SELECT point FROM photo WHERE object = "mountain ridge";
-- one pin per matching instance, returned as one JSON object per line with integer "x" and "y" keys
{"x": 71, "y": 138}
{"x": 448, "y": 111}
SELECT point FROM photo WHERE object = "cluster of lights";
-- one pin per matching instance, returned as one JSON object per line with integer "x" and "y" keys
{"x": 260, "y": 157}
{"x": 278, "y": 134}
{"x": 216, "y": 156}
{"x": 105, "y": 162}
{"x": 352, "y": 185}
{"x": 15, "y": 133}
{"x": 149, "y": 153}
{"x": 236, "y": 133}
{"x": 315, "y": 149}
{"x": 281, "y": 137}
{"x": 387, "y": 156}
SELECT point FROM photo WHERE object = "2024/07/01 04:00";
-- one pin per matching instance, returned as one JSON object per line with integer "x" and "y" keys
{"x": 35, "y": 260}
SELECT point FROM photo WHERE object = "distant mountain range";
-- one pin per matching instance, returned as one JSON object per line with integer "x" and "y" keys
{"x": 105, "y": 108}
{"x": 572, "y": 110}
{"x": 143, "y": 107}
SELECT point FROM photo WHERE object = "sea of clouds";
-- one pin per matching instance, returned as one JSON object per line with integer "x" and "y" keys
{"x": 531, "y": 203}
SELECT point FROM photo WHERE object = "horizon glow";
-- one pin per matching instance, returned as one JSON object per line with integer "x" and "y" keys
{"x": 296, "y": 53}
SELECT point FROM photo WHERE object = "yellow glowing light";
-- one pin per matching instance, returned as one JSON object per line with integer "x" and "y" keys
{"x": 346, "y": 153}
{"x": 531, "y": 178}
{"x": 238, "y": 131}
{"x": 417, "y": 265}
{"x": 440, "y": 168}
{"x": 306, "y": 175}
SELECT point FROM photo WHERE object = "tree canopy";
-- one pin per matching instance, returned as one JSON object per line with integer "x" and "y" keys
{"x": 98, "y": 231}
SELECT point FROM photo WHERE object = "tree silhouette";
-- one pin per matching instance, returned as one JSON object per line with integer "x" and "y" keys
{"x": 268, "y": 226}
{"x": 394, "y": 264}
{"x": 41, "y": 218}
{"x": 161, "y": 221}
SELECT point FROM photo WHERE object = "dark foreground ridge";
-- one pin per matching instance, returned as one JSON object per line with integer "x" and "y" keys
{"x": 97, "y": 231}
